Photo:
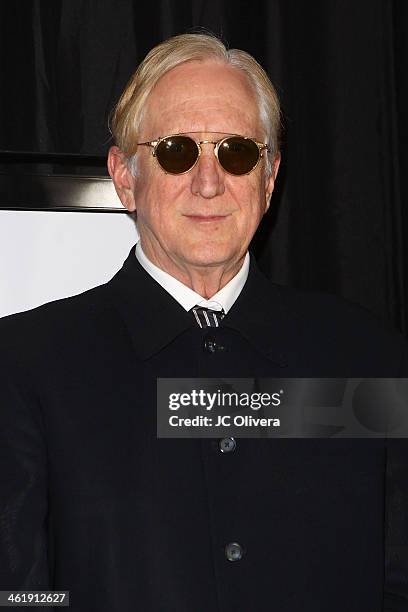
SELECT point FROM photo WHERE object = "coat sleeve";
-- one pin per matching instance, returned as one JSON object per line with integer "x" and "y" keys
{"x": 23, "y": 481}
{"x": 396, "y": 517}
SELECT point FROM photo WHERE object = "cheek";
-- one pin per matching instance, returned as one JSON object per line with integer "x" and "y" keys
{"x": 250, "y": 199}
{"x": 157, "y": 201}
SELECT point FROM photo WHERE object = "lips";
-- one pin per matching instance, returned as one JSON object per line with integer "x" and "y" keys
{"x": 204, "y": 218}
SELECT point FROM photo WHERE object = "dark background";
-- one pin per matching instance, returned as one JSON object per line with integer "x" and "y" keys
{"x": 339, "y": 215}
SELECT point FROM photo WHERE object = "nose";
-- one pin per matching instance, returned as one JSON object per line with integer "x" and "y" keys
{"x": 208, "y": 176}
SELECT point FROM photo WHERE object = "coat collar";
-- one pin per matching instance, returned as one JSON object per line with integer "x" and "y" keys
{"x": 154, "y": 318}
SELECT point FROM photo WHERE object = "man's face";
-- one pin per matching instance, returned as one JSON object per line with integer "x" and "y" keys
{"x": 204, "y": 217}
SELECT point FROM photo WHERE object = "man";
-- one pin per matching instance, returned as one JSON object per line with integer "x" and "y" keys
{"x": 91, "y": 500}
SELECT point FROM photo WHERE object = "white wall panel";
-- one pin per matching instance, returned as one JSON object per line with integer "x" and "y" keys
{"x": 46, "y": 255}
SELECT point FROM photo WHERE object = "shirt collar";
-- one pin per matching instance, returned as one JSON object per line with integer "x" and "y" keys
{"x": 186, "y": 297}
{"x": 154, "y": 318}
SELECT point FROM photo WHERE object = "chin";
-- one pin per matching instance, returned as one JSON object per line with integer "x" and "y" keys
{"x": 209, "y": 256}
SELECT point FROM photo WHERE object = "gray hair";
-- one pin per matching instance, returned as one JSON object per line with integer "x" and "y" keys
{"x": 128, "y": 113}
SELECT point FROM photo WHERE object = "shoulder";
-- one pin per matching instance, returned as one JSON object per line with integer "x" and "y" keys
{"x": 52, "y": 312}
{"x": 329, "y": 325}
{"x": 326, "y": 308}
{"x": 329, "y": 310}
{"x": 55, "y": 325}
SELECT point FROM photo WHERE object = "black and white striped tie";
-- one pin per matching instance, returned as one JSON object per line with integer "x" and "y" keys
{"x": 206, "y": 317}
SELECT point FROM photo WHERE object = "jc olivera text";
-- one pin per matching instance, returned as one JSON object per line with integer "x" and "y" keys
{"x": 223, "y": 421}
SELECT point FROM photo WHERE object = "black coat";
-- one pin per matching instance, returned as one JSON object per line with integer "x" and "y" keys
{"x": 92, "y": 502}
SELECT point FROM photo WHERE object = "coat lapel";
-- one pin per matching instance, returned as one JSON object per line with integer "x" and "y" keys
{"x": 154, "y": 318}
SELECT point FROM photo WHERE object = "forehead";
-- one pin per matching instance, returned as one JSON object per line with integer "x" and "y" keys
{"x": 202, "y": 97}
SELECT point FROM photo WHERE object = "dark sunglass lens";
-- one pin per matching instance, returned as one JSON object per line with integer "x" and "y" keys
{"x": 177, "y": 154}
{"x": 238, "y": 155}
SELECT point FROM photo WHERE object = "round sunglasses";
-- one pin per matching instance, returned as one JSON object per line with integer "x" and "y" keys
{"x": 178, "y": 153}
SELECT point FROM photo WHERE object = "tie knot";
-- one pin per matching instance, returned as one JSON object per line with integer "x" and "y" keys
{"x": 205, "y": 317}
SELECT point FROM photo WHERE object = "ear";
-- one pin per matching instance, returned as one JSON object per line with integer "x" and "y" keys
{"x": 122, "y": 178}
{"x": 270, "y": 181}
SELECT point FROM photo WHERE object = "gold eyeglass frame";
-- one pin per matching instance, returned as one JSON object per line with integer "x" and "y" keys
{"x": 217, "y": 143}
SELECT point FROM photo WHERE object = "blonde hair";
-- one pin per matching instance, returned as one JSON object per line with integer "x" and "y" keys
{"x": 127, "y": 116}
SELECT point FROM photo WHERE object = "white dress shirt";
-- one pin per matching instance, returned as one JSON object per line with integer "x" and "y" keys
{"x": 186, "y": 297}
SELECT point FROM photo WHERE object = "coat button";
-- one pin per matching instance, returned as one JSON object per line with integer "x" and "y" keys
{"x": 227, "y": 445}
{"x": 210, "y": 345}
{"x": 233, "y": 551}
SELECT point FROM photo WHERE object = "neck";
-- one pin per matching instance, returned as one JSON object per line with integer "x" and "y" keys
{"x": 204, "y": 279}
